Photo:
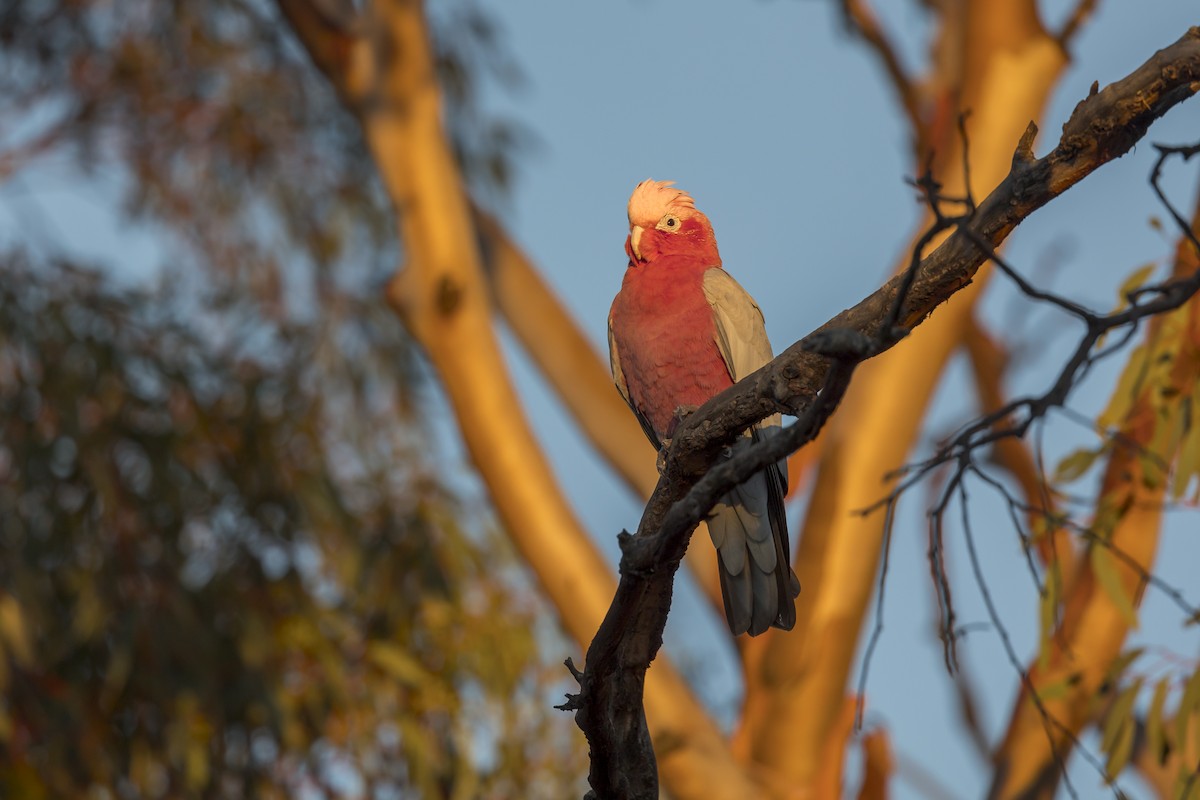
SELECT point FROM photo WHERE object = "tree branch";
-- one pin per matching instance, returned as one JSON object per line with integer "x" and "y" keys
{"x": 1079, "y": 15}
{"x": 609, "y": 707}
{"x": 862, "y": 20}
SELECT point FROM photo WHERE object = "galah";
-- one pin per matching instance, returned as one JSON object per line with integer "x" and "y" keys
{"x": 680, "y": 331}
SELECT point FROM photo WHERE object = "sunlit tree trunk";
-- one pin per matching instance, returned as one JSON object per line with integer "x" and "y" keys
{"x": 387, "y": 78}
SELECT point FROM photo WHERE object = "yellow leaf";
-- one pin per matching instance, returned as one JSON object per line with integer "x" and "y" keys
{"x": 196, "y": 765}
{"x": 1125, "y": 392}
{"x": 395, "y": 661}
{"x": 1187, "y": 706}
{"x": 1155, "y": 735}
{"x": 1135, "y": 281}
{"x": 1105, "y": 570}
{"x": 1118, "y": 756}
{"x": 13, "y": 631}
{"x": 1047, "y": 606}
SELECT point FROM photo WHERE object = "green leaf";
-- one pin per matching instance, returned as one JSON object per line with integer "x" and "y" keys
{"x": 1154, "y": 472}
{"x": 1105, "y": 569}
{"x": 1155, "y": 733}
{"x": 1136, "y": 280}
{"x": 1119, "y": 717}
{"x": 1075, "y": 465}
{"x": 1056, "y": 690}
{"x": 1122, "y": 749}
{"x": 13, "y": 631}
{"x": 1125, "y": 392}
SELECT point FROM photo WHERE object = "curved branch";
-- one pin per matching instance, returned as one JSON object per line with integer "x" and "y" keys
{"x": 862, "y": 20}
{"x": 1103, "y": 127}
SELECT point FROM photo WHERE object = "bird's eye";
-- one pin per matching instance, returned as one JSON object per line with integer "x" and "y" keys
{"x": 668, "y": 223}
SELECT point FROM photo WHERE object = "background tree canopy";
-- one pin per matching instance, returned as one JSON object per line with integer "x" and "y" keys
{"x": 309, "y": 480}
{"x": 231, "y": 563}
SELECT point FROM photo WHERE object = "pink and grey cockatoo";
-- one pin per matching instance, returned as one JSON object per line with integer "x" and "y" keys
{"x": 680, "y": 331}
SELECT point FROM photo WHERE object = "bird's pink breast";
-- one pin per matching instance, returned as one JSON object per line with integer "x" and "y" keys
{"x": 666, "y": 337}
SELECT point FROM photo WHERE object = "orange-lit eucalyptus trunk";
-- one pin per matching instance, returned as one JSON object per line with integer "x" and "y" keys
{"x": 387, "y": 78}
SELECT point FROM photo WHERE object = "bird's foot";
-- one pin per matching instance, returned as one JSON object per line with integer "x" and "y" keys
{"x": 683, "y": 412}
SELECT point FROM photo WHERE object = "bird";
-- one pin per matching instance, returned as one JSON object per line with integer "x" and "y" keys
{"x": 680, "y": 331}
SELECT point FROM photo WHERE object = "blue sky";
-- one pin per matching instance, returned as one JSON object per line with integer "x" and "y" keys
{"x": 785, "y": 133}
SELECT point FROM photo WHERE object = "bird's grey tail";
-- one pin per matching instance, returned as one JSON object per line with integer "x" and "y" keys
{"x": 749, "y": 529}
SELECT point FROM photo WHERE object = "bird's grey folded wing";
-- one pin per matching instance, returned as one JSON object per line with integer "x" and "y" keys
{"x": 741, "y": 332}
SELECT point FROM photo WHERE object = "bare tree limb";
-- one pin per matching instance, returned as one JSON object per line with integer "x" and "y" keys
{"x": 862, "y": 20}
{"x": 329, "y": 44}
{"x": 1079, "y": 15}
{"x": 808, "y": 380}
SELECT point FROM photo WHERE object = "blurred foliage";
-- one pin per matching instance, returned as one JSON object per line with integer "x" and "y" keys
{"x": 219, "y": 126}
{"x": 232, "y": 562}
{"x": 234, "y": 575}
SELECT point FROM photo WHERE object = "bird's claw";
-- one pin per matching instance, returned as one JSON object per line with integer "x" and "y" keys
{"x": 661, "y": 461}
{"x": 682, "y": 412}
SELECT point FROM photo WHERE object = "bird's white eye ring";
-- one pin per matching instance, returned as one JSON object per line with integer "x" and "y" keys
{"x": 668, "y": 223}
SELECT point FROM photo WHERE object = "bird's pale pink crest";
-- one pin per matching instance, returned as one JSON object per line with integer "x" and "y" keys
{"x": 652, "y": 199}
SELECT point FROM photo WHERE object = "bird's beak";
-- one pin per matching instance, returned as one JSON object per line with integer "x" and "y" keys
{"x": 635, "y": 240}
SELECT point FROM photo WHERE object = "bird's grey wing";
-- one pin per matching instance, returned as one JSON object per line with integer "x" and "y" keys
{"x": 741, "y": 332}
{"x": 748, "y": 526}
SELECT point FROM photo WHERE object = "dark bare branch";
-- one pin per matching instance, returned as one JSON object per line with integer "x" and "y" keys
{"x": 1079, "y": 15}
{"x": 328, "y": 37}
{"x": 862, "y": 20}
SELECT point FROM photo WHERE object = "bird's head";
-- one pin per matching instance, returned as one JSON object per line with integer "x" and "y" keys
{"x": 664, "y": 221}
